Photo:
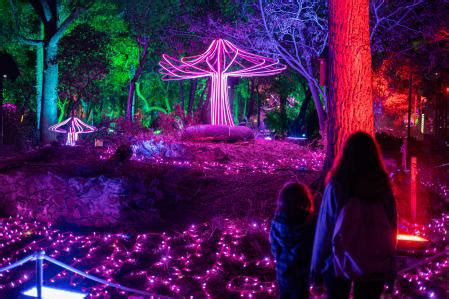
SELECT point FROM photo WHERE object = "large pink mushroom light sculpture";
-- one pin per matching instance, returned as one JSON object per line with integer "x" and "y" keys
{"x": 221, "y": 60}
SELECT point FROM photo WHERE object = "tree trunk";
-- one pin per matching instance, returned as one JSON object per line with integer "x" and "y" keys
{"x": 49, "y": 105}
{"x": 129, "y": 101}
{"x": 317, "y": 101}
{"x": 39, "y": 75}
{"x": 303, "y": 110}
{"x": 181, "y": 95}
{"x": 283, "y": 112}
{"x": 132, "y": 85}
{"x": 193, "y": 86}
{"x": 350, "y": 90}
{"x": 205, "y": 107}
{"x": 201, "y": 100}
{"x": 250, "y": 109}
{"x": 299, "y": 123}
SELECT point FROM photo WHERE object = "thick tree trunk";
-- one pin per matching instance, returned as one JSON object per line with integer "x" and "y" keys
{"x": 350, "y": 95}
{"x": 49, "y": 110}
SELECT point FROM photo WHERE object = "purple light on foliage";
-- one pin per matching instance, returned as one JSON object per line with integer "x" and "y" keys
{"x": 9, "y": 106}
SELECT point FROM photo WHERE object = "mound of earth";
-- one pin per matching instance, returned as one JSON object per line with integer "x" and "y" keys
{"x": 218, "y": 133}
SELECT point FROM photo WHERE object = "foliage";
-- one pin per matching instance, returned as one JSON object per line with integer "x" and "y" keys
{"x": 99, "y": 53}
{"x": 83, "y": 64}
{"x": 293, "y": 95}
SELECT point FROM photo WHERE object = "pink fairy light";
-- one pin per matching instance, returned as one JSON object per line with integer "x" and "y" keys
{"x": 72, "y": 126}
{"x": 203, "y": 260}
{"x": 221, "y": 60}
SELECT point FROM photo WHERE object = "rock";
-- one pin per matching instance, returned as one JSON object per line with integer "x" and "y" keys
{"x": 159, "y": 149}
{"x": 218, "y": 133}
{"x": 93, "y": 202}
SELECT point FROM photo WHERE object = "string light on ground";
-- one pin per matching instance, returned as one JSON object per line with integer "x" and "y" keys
{"x": 230, "y": 259}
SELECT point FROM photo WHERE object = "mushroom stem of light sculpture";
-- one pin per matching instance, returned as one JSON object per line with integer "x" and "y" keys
{"x": 221, "y": 60}
{"x": 220, "y": 110}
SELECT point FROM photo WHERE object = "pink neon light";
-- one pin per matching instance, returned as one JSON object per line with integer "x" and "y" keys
{"x": 221, "y": 60}
{"x": 72, "y": 126}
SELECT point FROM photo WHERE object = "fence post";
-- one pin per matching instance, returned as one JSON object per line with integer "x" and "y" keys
{"x": 39, "y": 273}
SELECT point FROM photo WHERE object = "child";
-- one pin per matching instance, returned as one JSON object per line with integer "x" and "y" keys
{"x": 291, "y": 237}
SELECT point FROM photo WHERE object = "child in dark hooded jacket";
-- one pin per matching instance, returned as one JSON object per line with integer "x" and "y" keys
{"x": 291, "y": 236}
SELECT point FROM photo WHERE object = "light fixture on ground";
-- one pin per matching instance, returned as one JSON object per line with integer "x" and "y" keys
{"x": 53, "y": 293}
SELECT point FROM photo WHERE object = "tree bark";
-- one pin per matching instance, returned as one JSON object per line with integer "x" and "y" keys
{"x": 205, "y": 107}
{"x": 39, "y": 75}
{"x": 193, "y": 86}
{"x": 49, "y": 104}
{"x": 250, "y": 109}
{"x": 317, "y": 101}
{"x": 350, "y": 90}
{"x": 201, "y": 98}
{"x": 300, "y": 121}
{"x": 181, "y": 95}
{"x": 132, "y": 84}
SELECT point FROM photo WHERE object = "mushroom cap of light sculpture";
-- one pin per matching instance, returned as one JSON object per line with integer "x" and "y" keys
{"x": 72, "y": 125}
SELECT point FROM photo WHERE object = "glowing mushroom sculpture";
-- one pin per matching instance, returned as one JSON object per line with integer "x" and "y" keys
{"x": 72, "y": 126}
{"x": 221, "y": 60}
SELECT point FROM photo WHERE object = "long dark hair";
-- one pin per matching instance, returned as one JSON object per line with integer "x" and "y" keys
{"x": 294, "y": 197}
{"x": 360, "y": 169}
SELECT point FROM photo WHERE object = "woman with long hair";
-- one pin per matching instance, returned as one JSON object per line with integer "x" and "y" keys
{"x": 356, "y": 229}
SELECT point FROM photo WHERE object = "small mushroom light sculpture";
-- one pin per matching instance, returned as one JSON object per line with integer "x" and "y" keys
{"x": 72, "y": 126}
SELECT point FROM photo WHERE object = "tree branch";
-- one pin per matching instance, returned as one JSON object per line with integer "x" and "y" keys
{"x": 22, "y": 39}
{"x": 67, "y": 22}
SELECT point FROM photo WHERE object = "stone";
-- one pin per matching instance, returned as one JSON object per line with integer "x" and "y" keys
{"x": 47, "y": 196}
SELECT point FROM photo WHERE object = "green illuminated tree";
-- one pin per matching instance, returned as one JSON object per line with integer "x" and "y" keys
{"x": 49, "y": 13}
